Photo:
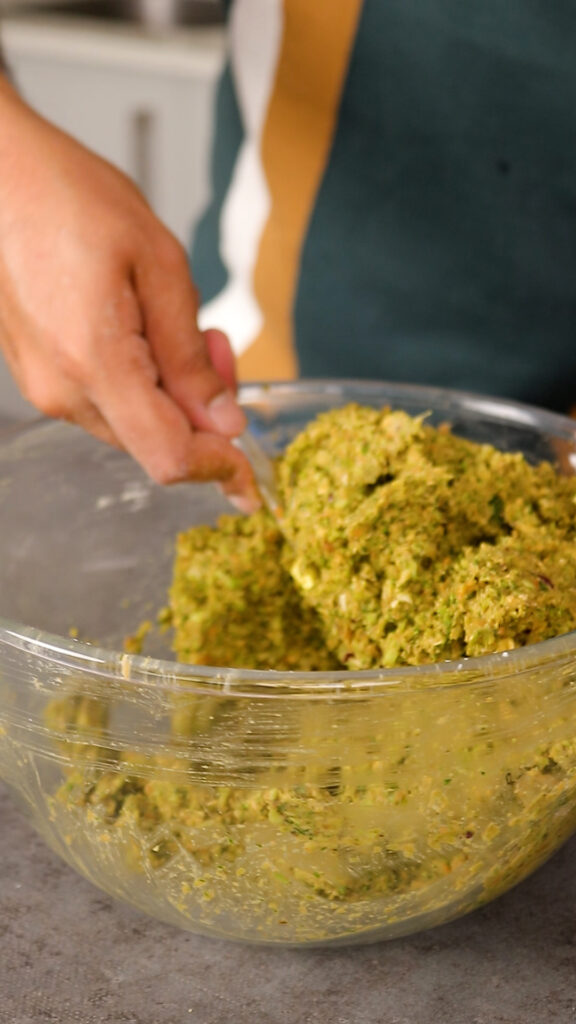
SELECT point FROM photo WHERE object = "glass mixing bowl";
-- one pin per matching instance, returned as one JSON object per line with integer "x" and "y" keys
{"x": 273, "y": 807}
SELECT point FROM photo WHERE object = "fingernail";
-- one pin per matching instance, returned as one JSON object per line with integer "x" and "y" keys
{"x": 245, "y": 503}
{"x": 226, "y": 415}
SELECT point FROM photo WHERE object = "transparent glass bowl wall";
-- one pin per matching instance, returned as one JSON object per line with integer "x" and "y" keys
{"x": 296, "y": 809}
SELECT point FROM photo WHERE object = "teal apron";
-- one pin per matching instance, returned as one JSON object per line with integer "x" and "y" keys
{"x": 442, "y": 245}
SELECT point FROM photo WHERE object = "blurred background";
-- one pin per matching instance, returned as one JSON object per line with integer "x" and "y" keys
{"x": 132, "y": 79}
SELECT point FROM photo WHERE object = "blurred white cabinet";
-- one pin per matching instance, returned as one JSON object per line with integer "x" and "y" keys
{"x": 142, "y": 101}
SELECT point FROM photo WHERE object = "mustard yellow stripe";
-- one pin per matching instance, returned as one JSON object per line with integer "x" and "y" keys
{"x": 300, "y": 124}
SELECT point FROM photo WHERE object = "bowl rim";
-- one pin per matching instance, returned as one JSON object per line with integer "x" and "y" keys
{"x": 164, "y": 674}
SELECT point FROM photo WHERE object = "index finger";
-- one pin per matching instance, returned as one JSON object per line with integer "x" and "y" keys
{"x": 156, "y": 432}
{"x": 169, "y": 307}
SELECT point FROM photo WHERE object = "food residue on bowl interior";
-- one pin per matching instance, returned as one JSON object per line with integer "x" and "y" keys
{"x": 402, "y": 544}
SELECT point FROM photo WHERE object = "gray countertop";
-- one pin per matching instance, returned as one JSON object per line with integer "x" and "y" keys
{"x": 70, "y": 954}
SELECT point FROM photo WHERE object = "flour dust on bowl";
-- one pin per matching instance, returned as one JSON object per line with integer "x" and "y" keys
{"x": 289, "y": 808}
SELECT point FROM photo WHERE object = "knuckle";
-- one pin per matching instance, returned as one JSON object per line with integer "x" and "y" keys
{"x": 194, "y": 363}
{"x": 48, "y": 400}
{"x": 135, "y": 358}
{"x": 40, "y": 393}
{"x": 171, "y": 254}
{"x": 70, "y": 364}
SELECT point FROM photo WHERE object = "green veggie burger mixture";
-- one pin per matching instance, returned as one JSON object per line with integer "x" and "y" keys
{"x": 302, "y": 820}
{"x": 402, "y": 545}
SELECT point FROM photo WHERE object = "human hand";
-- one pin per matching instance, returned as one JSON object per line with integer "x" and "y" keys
{"x": 98, "y": 311}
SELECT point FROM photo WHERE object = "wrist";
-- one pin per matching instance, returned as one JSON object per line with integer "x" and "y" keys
{"x": 4, "y": 67}
{"x": 15, "y": 113}
{"x": 7, "y": 89}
